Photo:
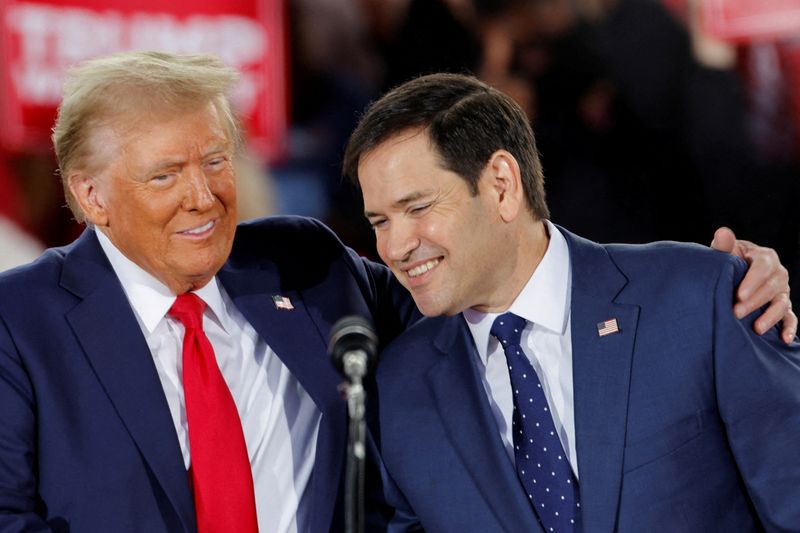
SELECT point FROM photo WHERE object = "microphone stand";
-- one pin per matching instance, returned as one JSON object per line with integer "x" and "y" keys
{"x": 355, "y": 368}
{"x": 353, "y": 346}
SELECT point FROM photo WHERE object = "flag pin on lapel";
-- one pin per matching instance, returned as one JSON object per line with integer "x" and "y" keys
{"x": 282, "y": 302}
{"x": 607, "y": 328}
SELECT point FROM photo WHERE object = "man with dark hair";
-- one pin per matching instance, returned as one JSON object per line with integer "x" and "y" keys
{"x": 459, "y": 120}
{"x": 558, "y": 384}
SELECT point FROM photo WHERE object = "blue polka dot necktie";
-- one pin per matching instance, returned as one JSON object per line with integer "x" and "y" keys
{"x": 542, "y": 465}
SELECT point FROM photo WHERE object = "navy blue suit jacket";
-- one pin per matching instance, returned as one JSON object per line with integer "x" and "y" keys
{"x": 685, "y": 420}
{"x": 87, "y": 443}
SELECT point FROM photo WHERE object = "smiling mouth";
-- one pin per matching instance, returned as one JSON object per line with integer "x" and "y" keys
{"x": 200, "y": 229}
{"x": 423, "y": 268}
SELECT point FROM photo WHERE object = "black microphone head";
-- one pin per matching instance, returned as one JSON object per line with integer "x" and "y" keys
{"x": 349, "y": 334}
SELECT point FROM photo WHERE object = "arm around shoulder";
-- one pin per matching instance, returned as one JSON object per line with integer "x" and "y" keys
{"x": 758, "y": 392}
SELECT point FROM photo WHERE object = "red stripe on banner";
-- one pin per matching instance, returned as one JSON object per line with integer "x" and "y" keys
{"x": 745, "y": 20}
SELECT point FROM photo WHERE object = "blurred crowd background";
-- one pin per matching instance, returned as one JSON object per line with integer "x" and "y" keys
{"x": 651, "y": 126}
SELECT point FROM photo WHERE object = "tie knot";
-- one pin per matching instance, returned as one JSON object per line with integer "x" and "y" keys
{"x": 507, "y": 328}
{"x": 188, "y": 309}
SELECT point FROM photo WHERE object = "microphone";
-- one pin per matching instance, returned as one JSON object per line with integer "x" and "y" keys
{"x": 353, "y": 347}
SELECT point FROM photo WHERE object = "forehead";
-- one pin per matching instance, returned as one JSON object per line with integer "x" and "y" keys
{"x": 406, "y": 157}
{"x": 403, "y": 169}
{"x": 153, "y": 133}
{"x": 198, "y": 118}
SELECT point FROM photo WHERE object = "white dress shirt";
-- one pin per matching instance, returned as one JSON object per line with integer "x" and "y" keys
{"x": 545, "y": 303}
{"x": 279, "y": 419}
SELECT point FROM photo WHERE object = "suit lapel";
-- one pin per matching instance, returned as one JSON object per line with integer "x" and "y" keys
{"x": 108, "y": 331}
{"x": 601, "y": 375}
{"x": 106, "y": 328}
{"x": 465, "y": 413}
{"x": 300, "y": 342}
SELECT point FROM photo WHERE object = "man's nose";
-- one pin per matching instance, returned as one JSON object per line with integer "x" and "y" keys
{"x": 400, "y": 242}
{"x": 198, "y": 194}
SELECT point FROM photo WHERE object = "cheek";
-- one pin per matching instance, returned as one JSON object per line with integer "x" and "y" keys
{"x": 444, "y": 234}
{"x": 380, "y": 244}
{"x": 228, "y": 191}
{"x": 224, "y": 186}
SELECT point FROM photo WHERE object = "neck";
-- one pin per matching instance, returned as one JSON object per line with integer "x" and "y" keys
{"x": 529, "y": 246}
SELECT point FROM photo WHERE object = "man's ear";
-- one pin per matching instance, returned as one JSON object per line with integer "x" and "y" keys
{"x": 89, "y": 193}
{"x": 502, "y": 176}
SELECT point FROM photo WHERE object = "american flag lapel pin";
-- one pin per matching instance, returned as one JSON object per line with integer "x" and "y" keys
{"x": 282, "y": 302}
{"x": 607, "y": 327}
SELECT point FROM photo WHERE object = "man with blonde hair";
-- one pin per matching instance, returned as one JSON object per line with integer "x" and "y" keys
{"x": 168, "y": 371}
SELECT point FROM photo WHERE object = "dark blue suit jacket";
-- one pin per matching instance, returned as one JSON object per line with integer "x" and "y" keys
{"x": 86, "y": 439}
{"x": 686, "y": 421}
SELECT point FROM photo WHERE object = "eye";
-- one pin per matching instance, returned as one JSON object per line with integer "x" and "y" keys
{"x": 377, "y": 223}
{"x": 161, "y": 178}
{"x": 419, "y": 209}
{"x": 217, "y": 162}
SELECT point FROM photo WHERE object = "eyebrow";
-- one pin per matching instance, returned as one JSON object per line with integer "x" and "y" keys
{"x": 163, "y": 164}
{"x": 217, "y": 148}
{"x": 405, "y": 200}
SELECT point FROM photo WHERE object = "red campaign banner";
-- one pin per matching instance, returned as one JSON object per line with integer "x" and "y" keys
{"x": 747, "y": 20}
{"x": 39, "y": 40}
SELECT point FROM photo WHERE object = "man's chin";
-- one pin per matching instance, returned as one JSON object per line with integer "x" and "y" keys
{"x": 431, "y": 308}
{"x": 190, "y": 277}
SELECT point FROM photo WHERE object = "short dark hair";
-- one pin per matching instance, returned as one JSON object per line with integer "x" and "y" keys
{"x": 465, "y": 119}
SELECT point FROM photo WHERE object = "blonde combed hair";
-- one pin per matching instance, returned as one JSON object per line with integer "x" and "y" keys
{"x": 100, "y": 90}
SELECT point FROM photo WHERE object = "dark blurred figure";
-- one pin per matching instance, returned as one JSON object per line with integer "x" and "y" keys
{"x": 17, "y": 243}
{"x": 771, "y": 71}
{"x": 31, "y": 207}
{"x": 430, "y": 36}
{"x": 643, "y": 125}
{"x": 334, "y": 74}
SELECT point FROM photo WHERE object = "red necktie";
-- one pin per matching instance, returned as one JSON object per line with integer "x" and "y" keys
{"x": 220, "y": 473}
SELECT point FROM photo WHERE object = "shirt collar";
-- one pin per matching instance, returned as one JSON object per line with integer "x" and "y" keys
{"x": 151, "y": 299}
{"x": 544, "y": 300}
